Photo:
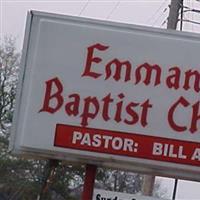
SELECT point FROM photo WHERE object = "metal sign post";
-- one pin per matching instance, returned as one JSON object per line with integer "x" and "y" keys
{"x": 88, "y": 186}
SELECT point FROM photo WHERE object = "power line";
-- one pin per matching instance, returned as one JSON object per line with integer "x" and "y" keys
{"x": 155, "y": 13}
{"x": 156, "y": 20}
{"x": 192, "y": 5}
{"x": 191, "y": 21}
{"x": 181, "y": 22}
{"x": 192, "y": 10}
{"x": 112, "y": 11}
{"x": 84, "y": 7}
{"x": 164, "y": 22}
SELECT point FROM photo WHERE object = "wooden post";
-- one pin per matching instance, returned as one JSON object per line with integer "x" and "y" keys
{"x": 89, "y": 182}
{"x": 48, "y": 179}
{"x": 148, "y": 185}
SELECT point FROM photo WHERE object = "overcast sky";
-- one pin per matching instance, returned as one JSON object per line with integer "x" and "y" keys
{"x": 150, "y": 13}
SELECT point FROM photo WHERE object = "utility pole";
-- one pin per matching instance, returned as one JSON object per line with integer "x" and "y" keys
{"x": 176, "y": 5}
{"x": 174, "y": 13}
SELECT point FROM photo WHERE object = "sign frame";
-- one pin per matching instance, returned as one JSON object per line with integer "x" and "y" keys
{"x": 140, "y": 165}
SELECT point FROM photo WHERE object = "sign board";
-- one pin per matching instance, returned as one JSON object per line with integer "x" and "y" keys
{"x": 108, "y": 195}
{"x": 113, "y": 94}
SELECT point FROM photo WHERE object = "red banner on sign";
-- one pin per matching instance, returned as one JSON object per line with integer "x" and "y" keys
{"x": 127, "y": 144}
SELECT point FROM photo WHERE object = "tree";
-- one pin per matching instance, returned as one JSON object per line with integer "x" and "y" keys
{"x": 9, "y": 66}
{"x": 119, "y": 181}
{"x": 18, "y": 176}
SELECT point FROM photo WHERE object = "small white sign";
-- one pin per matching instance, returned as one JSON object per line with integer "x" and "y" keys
{"x": 109, "y": 195}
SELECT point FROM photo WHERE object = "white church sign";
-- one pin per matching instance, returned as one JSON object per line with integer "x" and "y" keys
{"x": 115, "y": 94}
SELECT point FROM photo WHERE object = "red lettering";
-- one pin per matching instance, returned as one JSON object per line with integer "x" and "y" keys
{"x": 48, "y": 105}
{"x": 195, "y": 117}
{"x": 145, "y": 106}
{"x": 119, "y": 108}
{"x": 181, "y": 101}
{"x": 72, "y": 108}
{"x": 88, "y": 102}
{"x": 188, "y": 75}
{"x": 118, "y": 64}
{"x": 91, "y": 59}
{"x": 132, "y": 113}
{"x": 173, "y": 80}
{"x": 107, "y": 100}
{"x": 149, "y": 69}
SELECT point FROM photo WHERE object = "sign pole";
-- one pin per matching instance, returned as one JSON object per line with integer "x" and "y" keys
{"x": 88, "y": 186}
